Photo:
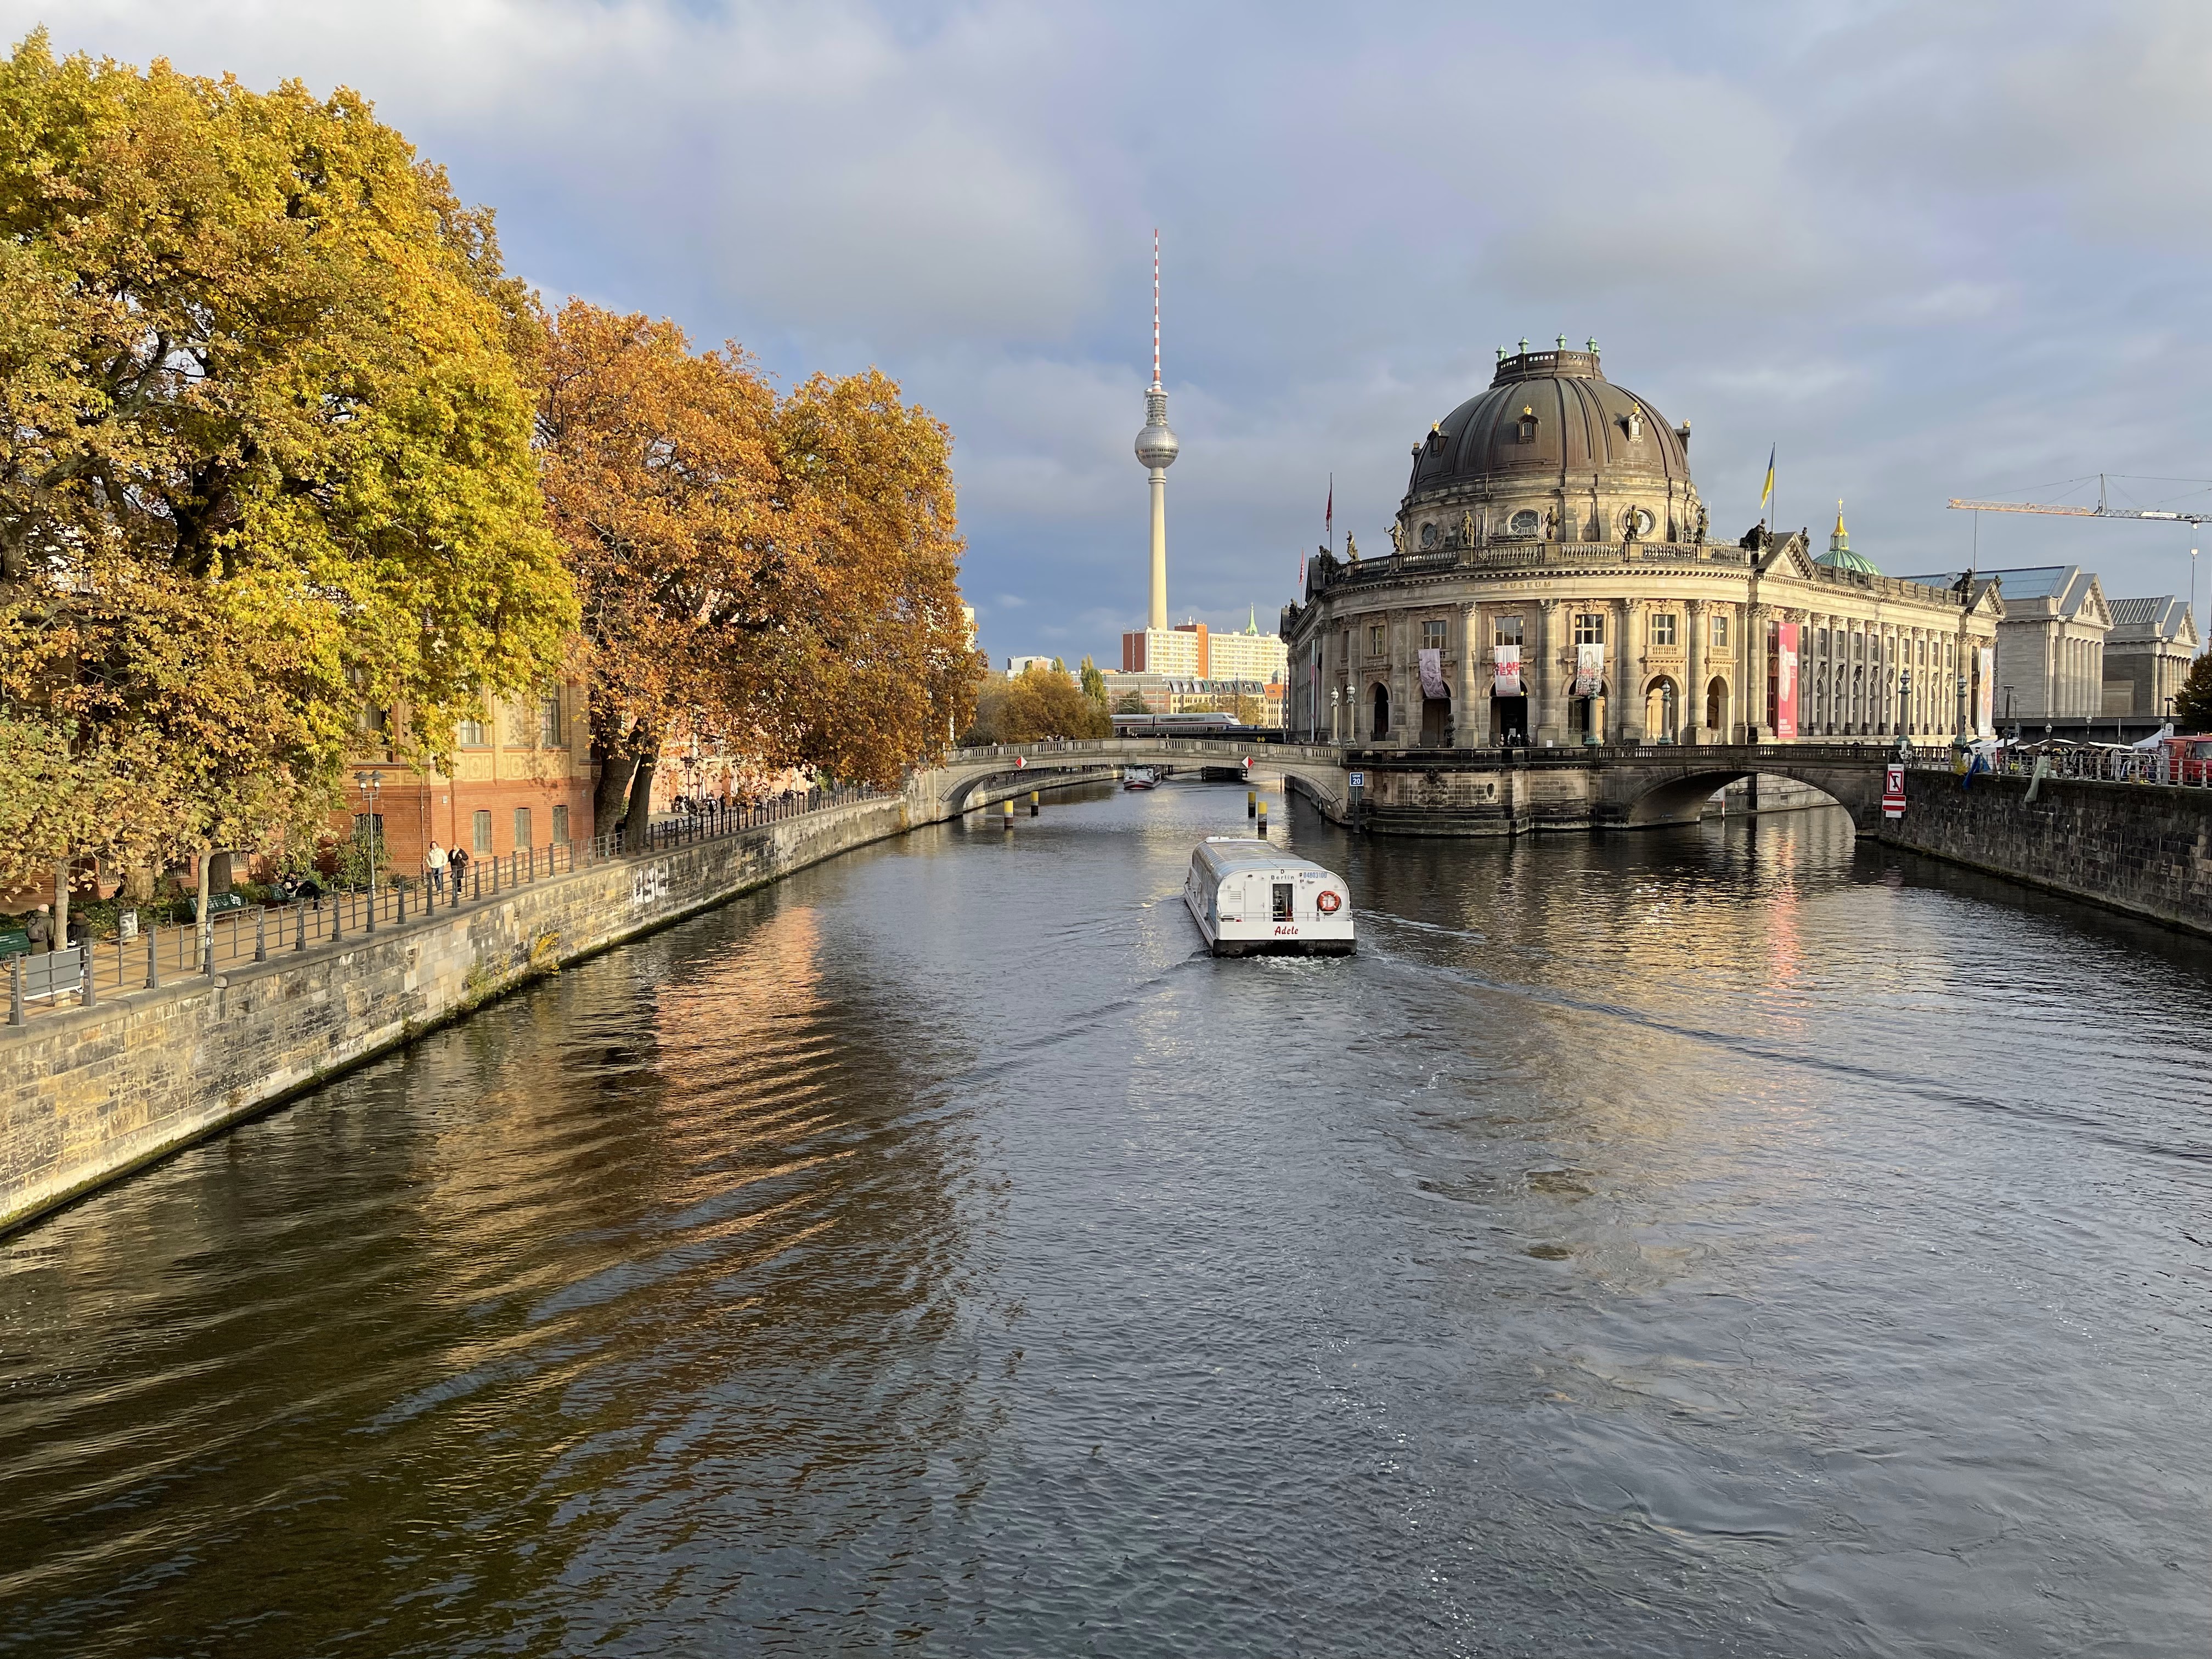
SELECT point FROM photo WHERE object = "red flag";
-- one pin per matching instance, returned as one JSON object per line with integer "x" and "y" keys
{"x": 1302, "y": 572}
{"x": 1329, "y": 513}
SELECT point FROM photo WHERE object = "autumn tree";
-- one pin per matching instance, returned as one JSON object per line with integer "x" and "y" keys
{"x": 1094, "y": 683}
{"x": 1037, "y": 703}
{"x": 865, "y": 669}
{"x": 2192, "y": 703}
{"x": 660, "y": 475}
{"x": 265, "y": 459}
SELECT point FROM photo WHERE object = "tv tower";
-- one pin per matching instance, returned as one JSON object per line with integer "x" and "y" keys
{"x": 1157, "y": 449}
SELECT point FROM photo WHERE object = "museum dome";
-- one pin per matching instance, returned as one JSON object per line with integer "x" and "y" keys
{"x": 1549, "y": 412}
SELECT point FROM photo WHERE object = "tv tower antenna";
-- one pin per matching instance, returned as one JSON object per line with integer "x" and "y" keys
{"x": 1157, "y": 448}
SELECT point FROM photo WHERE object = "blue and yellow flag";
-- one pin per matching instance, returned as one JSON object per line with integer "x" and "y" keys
{"x": 1767, "y": 494}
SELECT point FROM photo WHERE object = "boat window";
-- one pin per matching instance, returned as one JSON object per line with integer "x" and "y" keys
{"x": 1284, "y": 890}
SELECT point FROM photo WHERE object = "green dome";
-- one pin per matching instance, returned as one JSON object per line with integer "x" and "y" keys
{"x": 1839, "y": 555}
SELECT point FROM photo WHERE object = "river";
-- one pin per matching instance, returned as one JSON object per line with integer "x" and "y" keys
{"x": 1720, "y": 1241}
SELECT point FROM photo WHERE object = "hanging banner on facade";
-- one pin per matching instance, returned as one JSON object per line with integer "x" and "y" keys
{"x": 1590, "y": 670}
{"x": 1505, "y": 677}
{"x": 1985, "y": 699}
{"x": 1433, "y": 675}
{"x": 1892, "y": 791}
{"x": 1786, "y": 681}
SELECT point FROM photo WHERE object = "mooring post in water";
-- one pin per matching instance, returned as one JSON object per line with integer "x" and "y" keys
{"x": 1263, "y": 820}
{"x": 1009, "y": 812}
{"x": 1251, "y": 802}
{"x": 1033, "y": 803}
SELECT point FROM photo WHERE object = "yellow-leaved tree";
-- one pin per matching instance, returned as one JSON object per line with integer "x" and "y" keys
{"x": 265, "y": 459}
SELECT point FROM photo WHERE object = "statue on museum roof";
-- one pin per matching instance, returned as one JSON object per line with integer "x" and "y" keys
{"x": 1701, "y": 522}
{"x": 1350, "y": 547}
{"x": 1397, "y": 536}
{"x": 1551, "y": 523}
{"x": 1466, "y": 528}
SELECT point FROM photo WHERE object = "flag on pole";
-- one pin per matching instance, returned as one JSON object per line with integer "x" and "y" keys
{"x": 1302, "y": 572}
{"x": 1767, "y": 494}
{"x": 1329, "y": 513}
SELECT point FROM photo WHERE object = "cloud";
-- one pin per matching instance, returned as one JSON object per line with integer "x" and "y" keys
{"x": 1926, "y": 250}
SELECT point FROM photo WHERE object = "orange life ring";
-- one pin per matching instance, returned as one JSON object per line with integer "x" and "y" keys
{"x": 1326, "y": 903}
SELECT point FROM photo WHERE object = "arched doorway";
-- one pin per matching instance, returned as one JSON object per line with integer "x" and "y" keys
{"x": 1662, "y": 710}
{"x": 1381, "y": 728}
{"x": 1717, "y": 708}
{"x": 1586, "y": 717}
{"x": 1435, "y": 722}
{"x": 1509, "y": 721}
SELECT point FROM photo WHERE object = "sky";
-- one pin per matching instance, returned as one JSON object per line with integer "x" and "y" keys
{"x": 1922, "y": 250}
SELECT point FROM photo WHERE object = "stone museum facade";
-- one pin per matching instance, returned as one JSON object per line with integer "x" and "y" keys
{"x": 1551, "y": 581}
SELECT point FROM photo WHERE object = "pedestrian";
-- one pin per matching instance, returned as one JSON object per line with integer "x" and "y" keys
{"x": 457, "y": 862}
{"x": 40, "y": 927}
{"x": 434, "y": 863}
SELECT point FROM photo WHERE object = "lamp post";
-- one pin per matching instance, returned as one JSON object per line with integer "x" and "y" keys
{"x": 371, "y": 784}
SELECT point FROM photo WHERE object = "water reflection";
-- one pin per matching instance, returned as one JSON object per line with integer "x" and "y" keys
{"x": 1729, "y": 1239}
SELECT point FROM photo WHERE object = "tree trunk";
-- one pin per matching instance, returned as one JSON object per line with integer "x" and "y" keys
{"x": 60, "y": 940}
{"x": 640, "y": 801}
{"x": 616, "y": 764}
{"x": 206, "y": 861}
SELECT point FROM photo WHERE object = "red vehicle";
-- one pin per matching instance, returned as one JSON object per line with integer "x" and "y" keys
{"x": 2188, "y": 760}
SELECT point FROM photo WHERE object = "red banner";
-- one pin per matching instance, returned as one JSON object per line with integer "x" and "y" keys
{"x": 1785, "y": 683}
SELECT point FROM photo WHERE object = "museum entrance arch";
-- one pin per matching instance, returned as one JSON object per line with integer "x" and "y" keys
{"x": 1380, "y": 728}
{"x": 1435, "y": 722}
{"x": 1509, "y": 721}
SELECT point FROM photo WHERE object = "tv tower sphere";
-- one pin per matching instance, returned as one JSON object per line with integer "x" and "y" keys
{"x": 1157, "y": 449}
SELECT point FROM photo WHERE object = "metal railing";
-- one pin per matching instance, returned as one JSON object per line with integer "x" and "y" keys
{"x": 78, "y": 976}
{"x": 2092, "y": 765}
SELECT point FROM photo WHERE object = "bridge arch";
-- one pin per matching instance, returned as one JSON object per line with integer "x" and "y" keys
{"x": 1678, "y": 795}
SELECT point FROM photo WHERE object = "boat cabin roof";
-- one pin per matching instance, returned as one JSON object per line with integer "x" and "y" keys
{"x": 1230, "y": 855}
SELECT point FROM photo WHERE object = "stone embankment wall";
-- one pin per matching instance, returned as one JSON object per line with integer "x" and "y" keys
{"x": 89, "y": 1094}
{"x": 2133, "y": 847}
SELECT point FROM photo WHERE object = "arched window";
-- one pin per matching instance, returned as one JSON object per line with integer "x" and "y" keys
{"x": 1382, "y": 727}
{"x": 1717, "y": 708}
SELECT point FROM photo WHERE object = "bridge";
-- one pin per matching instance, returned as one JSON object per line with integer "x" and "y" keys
{"x": 1449, "y": 792}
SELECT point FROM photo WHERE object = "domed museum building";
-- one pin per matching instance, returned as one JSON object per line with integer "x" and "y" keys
{"x": 1551, "y": 581}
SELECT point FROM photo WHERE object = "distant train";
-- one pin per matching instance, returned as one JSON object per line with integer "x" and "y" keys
{"x": 1193, "y": 725}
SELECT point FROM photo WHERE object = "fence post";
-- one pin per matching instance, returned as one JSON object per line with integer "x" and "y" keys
{"x": 300, "y": 932}
{"x": 261, "y": 935}
{"x": 14, "y": 990}
{"x": 337, "y": 916}
{"x": 91, "y": 989}
{"x": 153, "y": 959}
{"x": 207, "y": 958}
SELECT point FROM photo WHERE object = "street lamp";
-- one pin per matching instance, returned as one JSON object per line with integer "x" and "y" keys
{"x": 371, "y": 784}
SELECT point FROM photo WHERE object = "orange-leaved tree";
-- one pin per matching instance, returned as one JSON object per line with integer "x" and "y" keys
{"x": 661, "y": 477}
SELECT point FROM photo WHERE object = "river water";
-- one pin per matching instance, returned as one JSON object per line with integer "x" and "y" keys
{"x": 1718, "y": 1240}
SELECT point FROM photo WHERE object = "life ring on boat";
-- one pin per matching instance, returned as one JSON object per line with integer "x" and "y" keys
{"x": 1326, "y": 903}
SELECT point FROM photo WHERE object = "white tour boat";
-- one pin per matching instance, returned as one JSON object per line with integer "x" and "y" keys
{"x": 1140, "y": 777}
{"x": 1248, "y": 898}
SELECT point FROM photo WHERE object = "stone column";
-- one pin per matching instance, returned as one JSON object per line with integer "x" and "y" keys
{"x": 1752, "y": 697}
{"x": 1404, "y": 718}
{"x": 1470, "y": 718}
{"x": 1548, "y": 717}
{"x": 1627, "y": 675}
{"x": 1693, "y": 693}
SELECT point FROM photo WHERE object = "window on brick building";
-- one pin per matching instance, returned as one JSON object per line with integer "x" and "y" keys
{"x": 470, "y": 734}
{"x": 480, "y": 831}
{"x": 522, "y": 827}
{"x": 549, "y": 722}
{"x": 560, "y": 826}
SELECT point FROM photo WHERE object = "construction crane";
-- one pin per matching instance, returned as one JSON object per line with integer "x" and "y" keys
{"x": 2100, "y": 511}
